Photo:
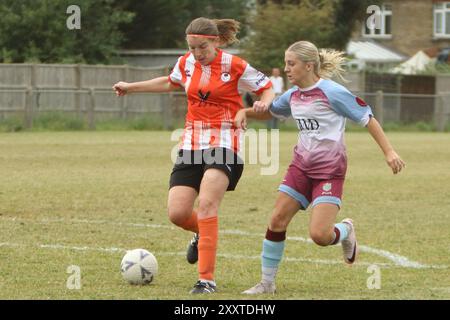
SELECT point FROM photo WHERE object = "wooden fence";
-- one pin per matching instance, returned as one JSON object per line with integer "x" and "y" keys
{"x": 27, "y": 90}
{"x": 83, "y": 90}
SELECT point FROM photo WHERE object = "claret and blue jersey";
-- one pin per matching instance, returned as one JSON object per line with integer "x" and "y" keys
{"x": 320, "y": 112}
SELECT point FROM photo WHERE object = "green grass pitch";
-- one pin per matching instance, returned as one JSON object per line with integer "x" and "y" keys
{"x": 82, "y": 198}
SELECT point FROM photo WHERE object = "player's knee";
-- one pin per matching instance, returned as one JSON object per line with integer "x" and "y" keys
{"x": 278, "y": 222}
{"x": 320, "y": 237}
{"x": 178, "y": 216}
{"x": 206, "y": 208}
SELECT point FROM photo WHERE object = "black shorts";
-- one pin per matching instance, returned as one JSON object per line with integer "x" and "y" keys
{"x": 192, "y": 164}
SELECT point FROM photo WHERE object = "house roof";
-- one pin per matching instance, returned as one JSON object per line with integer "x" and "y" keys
{"x": 370, "y": 51}
{"x": 415, "y": 64}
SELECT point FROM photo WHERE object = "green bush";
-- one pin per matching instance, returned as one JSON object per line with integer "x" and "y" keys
{"x": 146, "y": 123}
{"x": 60, "y": 121}
{"x": 11, "y": 124}
{"x": 149, "y": 122}
{"x": 57, "y": 121}
{"x": 420, "y": 126}
{"x": 447, "y": 128}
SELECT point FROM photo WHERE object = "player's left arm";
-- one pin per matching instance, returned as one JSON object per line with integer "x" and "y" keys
{"x": 392, "y": 158}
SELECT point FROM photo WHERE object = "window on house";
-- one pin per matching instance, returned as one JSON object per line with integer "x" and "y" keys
{"x": 385, "y": 27}
{"x": 442, "y": 20}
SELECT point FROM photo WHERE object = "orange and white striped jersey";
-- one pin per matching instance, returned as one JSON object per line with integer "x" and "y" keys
{"x": 213, "y": 93}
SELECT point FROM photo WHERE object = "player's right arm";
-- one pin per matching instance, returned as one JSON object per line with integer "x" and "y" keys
{"x": 279, "y": 108}
{"x": 240, "y": 120}
{"x": 173, "y": 82}
{"x": 160, "y": 84}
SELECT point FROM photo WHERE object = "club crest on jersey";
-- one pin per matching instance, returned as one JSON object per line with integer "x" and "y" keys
{"x": 203, "y": 96}
{"x": 225, "y": 77}
{"x": 361, "y": 102}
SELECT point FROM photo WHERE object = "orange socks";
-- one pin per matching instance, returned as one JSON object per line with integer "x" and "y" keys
{"x": 191, "y": 223}
{"x": 207, "y": 246}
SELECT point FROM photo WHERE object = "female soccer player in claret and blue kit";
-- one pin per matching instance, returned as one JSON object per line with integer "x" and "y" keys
{"x": 315, "y": 177}
{"x": 208, "y": 164}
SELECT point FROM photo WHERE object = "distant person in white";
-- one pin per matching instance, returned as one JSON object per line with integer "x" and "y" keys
{"x": 278, "y": 88}
{"x": 277, "y": 81}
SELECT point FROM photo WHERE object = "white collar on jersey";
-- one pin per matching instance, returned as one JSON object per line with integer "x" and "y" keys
{"x": 315, "y": 85}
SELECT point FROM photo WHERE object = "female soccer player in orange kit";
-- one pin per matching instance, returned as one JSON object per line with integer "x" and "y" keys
{"x": 207, "y": 165}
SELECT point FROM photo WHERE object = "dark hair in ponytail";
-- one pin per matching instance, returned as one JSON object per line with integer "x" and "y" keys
{"x": 225, "y": 29}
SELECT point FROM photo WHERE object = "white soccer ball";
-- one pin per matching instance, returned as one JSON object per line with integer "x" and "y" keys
{"x": 139, "y": 266}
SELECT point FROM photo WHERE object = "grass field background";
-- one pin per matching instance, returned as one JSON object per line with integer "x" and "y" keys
{"x": 82, "y": 198}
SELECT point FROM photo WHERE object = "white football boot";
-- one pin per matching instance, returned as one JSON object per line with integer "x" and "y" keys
{"x": 261, "y": 288}
{"x": 350, "y": 245}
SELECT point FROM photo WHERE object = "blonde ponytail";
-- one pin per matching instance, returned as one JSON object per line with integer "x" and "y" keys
{"x": 327, "y": 62}
{"x": 331, "y": 64}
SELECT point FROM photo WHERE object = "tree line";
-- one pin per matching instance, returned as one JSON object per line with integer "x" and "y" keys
{"x": 36, "y": 30}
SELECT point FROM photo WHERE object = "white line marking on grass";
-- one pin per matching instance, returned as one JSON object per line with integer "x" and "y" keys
{"x": 60, "y": 247}
{"x": 395, "y": 258}
{"x": 63, "y": 247}
{"x": 398, "y": 260}
{"x": 222, "y": 255}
